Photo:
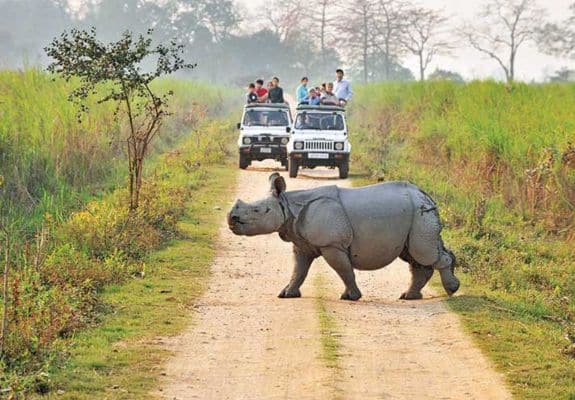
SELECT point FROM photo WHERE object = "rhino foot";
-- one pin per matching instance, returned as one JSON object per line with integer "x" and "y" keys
{"x": 410, "y": 296}
{"x": 353, "y": 295}
{"x": 289, "y": 293}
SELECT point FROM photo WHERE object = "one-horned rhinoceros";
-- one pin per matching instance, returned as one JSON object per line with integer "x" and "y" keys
{"x": 364, "y": 228}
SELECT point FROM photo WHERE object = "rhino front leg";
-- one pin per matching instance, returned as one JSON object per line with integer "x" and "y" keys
{"x": 302, "y": 262}
{"x": 420, "y": 275}
{"x": 340, "y": 262}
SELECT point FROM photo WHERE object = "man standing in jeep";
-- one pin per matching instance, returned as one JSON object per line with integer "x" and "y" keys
{"x": 342, "y": 88}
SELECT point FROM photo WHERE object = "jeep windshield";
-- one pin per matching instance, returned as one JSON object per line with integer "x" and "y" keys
{"x": 266, "y": 118}
{"x": 319, "y": 121}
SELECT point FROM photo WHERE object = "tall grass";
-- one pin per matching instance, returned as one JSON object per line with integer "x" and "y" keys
{"x": 500, "y": 161}
{"x": 49, "y": 162}
{"x": 62, "y": 195}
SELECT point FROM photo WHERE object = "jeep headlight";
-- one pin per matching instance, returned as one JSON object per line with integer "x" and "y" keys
{"x": 247, "y": 140}
{"x": 285, "y": 140}
{"x": 298, "y": 145}
{"x": 339, "y": 145}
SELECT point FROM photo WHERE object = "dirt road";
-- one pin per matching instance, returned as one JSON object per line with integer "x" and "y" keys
{"x": 246, "y": 343}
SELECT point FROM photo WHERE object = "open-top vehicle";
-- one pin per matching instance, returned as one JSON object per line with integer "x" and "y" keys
{"x": 264, "y": 133}
{"x": 319, "y": 138}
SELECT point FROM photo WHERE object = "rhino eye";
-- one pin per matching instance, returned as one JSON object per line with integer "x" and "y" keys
{"x": 256, "y": 210}
{"x": 268, "y": 210}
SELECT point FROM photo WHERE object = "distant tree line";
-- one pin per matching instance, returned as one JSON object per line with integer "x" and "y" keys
{"x": 291, "y": 38}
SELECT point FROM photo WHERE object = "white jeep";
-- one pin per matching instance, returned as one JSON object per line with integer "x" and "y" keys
{"x": 264, "y": 133}
{"x": 319, "y": 138}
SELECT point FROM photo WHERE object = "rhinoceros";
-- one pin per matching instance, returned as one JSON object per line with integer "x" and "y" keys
{"x": 363, "y": 228}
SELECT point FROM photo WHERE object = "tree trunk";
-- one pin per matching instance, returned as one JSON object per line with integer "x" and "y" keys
{"x": 5, "y": 295}
{"x": 421, "y": 68}
{"x": 322, "y": 32}
{"x": 365, "y": 46}
{"x": 386, "y": 55}
{"x": 511, "y": 76}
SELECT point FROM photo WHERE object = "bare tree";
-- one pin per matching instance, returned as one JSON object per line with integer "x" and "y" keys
{"x": 321, "y": 13}
{"x": 286, "y": 17}
{"x": 559, "y": 39}
{"x": 359, "y": 32}
{"x": 424, "y": 36}
{"x": 505, "y": 25}
{"x": 390, "y": 27}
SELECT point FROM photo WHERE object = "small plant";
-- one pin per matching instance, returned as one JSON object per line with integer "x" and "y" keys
{"x": 117, "y": 72}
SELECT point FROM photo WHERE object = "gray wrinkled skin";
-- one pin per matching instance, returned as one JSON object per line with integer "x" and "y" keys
{"x": 365, "y": 228}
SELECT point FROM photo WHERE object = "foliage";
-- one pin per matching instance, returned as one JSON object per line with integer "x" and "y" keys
{"x": 56, "y": 289}
{"x": 499, "y": 162}
{"x": 116, "y": 69}
{"x": 51, "y": 164}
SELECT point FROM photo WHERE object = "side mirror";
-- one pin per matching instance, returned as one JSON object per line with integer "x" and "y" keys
{"x": 239, "y": 125}
{"x": 288, "y": 129}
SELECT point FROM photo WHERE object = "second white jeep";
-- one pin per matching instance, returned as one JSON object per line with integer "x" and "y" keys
{"x": 319, "y": 138}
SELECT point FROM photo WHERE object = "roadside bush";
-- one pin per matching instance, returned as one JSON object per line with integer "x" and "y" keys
{"x": 57, "y": 275}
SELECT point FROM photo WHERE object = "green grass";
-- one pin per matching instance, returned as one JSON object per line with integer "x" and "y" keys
{"x": 498, "y": 162}
{"x": 525, "y": 349}
{"x": 330, "y": 345}
{"x": 50, "y": 163}
{"x": 120, "y": 358}
{"x": 96, "y": 250}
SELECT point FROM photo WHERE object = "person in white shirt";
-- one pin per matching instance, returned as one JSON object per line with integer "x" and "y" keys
{"x": 342, "y": 88}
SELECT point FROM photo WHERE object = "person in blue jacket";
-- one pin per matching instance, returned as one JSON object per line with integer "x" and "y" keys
{"x": 301, "y": 91}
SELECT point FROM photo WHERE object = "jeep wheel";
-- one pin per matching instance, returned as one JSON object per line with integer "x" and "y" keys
{"x": 244, "y": 161}
{"x": 292, "y": 168}
{"x": 344, "y": 170}
{"x": 285, "y": 163}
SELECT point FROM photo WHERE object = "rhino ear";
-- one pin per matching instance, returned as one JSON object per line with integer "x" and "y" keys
{"x": 278, "y": 184}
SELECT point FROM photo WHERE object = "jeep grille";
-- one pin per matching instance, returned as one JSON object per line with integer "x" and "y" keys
{"x": 318, "y": 145}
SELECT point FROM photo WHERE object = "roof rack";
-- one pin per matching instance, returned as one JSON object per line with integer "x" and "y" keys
{"x": 267, "y": 105}
{"x": 322, "y": 107}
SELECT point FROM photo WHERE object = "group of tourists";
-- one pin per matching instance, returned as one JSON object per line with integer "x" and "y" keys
{"x": 257, "y": 93}
{"x": 336, "y": 93}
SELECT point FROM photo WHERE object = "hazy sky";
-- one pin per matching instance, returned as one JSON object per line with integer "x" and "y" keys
{"x": 531, "y": 65}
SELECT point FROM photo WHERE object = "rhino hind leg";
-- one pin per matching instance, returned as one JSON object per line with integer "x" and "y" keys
{"x": 340, "y": 262}
{"x": 446, "y": 266}
{"x": 425, "y": 245}
{"x": 420, "y": 275}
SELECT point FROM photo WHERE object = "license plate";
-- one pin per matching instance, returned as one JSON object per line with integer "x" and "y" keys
{"x": 322, "y": 156}
{"x": 265, "y": 150}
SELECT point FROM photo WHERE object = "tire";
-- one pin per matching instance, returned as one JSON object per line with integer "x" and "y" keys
{"x": 244, "y": 161}
{"x": 344, "y": 170}
{"x": 285, "y": 163}
{"x": 293, "y": 168}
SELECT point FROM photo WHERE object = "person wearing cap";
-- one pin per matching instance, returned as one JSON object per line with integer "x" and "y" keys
{"x": 301, "y": 91}
{"x": 342, "y": 88}
{"x": 276, "y": 93}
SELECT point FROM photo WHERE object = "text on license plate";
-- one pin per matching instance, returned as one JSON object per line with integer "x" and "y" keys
{"x": 322, "y": 156}
{"x": 265, "y": 150}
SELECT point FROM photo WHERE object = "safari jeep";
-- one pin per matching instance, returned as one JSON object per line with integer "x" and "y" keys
{"x": 264, "y": 133}
{"x": 319, "y": 138}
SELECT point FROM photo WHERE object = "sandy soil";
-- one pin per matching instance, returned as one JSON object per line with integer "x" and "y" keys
{"x": 246, "y": 343}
